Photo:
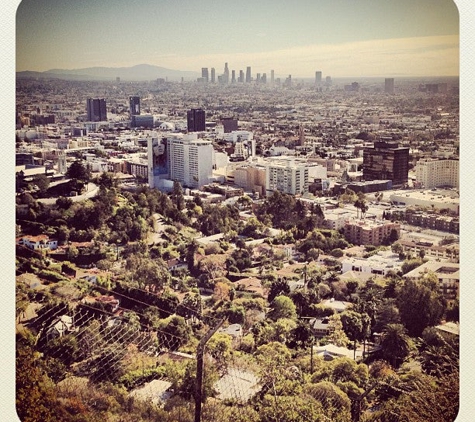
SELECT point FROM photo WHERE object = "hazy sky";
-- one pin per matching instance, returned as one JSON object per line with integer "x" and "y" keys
{"x": 338, "y": 37}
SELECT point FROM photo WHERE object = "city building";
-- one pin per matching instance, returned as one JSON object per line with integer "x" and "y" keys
{"x": 386, "y": 161}
{"x": 204, "y": 74}
{"x": 226, "y": 74}
{"x": 96, "y": 110}
{"x": 287, "y": 177}
{"x": 389, "y": 85}
{"x": 213, "y": 75}
{"x": 368, "y": 232}
{"x": 248, "y": 74}
{"x": 447, "y": 273}
{"x": 196, "y": 120}
{"x": 432, "y": 173}
{"x": 134, "y": 105}
{"x": 190, "y": 160}
{"x": 144, "y": 120}
{"x": 318, "y": 77}
{"x": 379, "y": 264}
{"x": 229, "y": 124}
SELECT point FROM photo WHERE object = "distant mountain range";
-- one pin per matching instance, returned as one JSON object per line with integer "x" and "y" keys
{"x": 141, "y": 72}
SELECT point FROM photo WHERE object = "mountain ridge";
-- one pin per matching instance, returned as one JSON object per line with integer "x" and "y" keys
{"x": 140, "y": 72}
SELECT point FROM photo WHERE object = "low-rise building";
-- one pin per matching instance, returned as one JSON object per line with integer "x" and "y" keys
{"x": 448, "y": 274}
{"x": 366, "y": 232}
{"x": 378, "y": 264}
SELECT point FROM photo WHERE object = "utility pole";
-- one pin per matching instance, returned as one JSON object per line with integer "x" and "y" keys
{"x": 199, "y": 369}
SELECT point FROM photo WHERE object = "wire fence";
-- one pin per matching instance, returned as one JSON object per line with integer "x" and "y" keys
{"x": 91, "y": 343}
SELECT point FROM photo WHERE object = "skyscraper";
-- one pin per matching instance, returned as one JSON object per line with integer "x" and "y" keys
{"x": 389, "y": 85}
{"x": 196, "y": 119}
{"x": 96, "y": 110}
{"x": 134, "y": 105}
{"x": 213, "y": 75}
{"x": 226, "y": 73}
{"x": 233, "y": 76}
{"x": 248, "y": 74}
{"x": 318, "y": 77}
{"x": 204, "y": 74}
{"x": 241, "y": 76}
{"x": 272, "y": 77}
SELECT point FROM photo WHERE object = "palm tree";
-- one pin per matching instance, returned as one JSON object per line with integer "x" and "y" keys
{"x": 395, "y": 344}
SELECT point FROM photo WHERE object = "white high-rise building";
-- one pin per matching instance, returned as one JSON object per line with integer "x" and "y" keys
{"x": 287, "y": 177}
{"x": 434, "y": 173}
{"x": 190, "y": 160}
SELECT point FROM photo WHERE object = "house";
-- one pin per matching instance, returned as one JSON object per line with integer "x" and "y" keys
{"x": 449, "y": 329}
{"x": 155, "y": 391}
{"x": 320, "y": 326}
{"x": 379, "y": 264}
{"x": 234, "y": 330}
{"x": 175, "y": 264}
{"x": 251, "y": 285}
{"x": 238, "y": 385}
{"x": 59, "y": 328}
{"x": 40, "y": 242}
{"x": 337, "y": 305}
{"x": 330, "y": 352}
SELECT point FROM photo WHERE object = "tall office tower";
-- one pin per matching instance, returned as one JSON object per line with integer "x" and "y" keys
{"x": 318, "y": 77}
{"x": 241, "y": 76}
{"x": 229, "y": 124}
{"x": 248, "y": 74}
{"x": 389, "y": 85}
{"x": 134, "y": 105}
{"x": 213, "y": 75}
{"x": 233, "y": 76}
{"x": 328, "y": 80}
{"x": 196, "y": 120}
{"x": 386, "y": 161}
{"x": 258, "y": 78}
{"x": 96, "y": 110}
{"x": 204, "y": 74}
{"x": 288, "y": 81}
{"x": 226, "y": 73}
{"x": 264, "y": 78}
{"x": 190, "y": 160}
{"x": 272, "y": 77}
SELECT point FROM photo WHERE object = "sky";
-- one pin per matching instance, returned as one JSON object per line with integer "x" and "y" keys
{"x": 341, "y": 38}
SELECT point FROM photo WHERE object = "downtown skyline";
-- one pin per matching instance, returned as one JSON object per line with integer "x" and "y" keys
{"x": 367, "y": 38}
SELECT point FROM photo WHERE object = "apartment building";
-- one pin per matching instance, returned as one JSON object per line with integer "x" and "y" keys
{"x": 448, "y": 275}
{"x": 432, "y": 173}
{"x": 190, "y": 160}
{"x": 366, "y": 232}
{"x": 287, "y": 177}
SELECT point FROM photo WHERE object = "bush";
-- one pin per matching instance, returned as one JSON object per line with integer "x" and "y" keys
{"x": 51, "y": 276}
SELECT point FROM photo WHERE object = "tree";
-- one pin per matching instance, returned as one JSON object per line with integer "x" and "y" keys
{"x": 395, "y": 344}
{"x": 177, "y": 196}
{"x": 277, "y": 288}
{"x": 35, "y": 396}
{"x": 78, "y": 171}
{"x": 336, "y": 334}
{"x": 420, "y": 304}
{"x": 174, "y": 332}
{"x": 335, "y": 402}
{"x": 282, "y": 307}
{"x": 42, "y": 182}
